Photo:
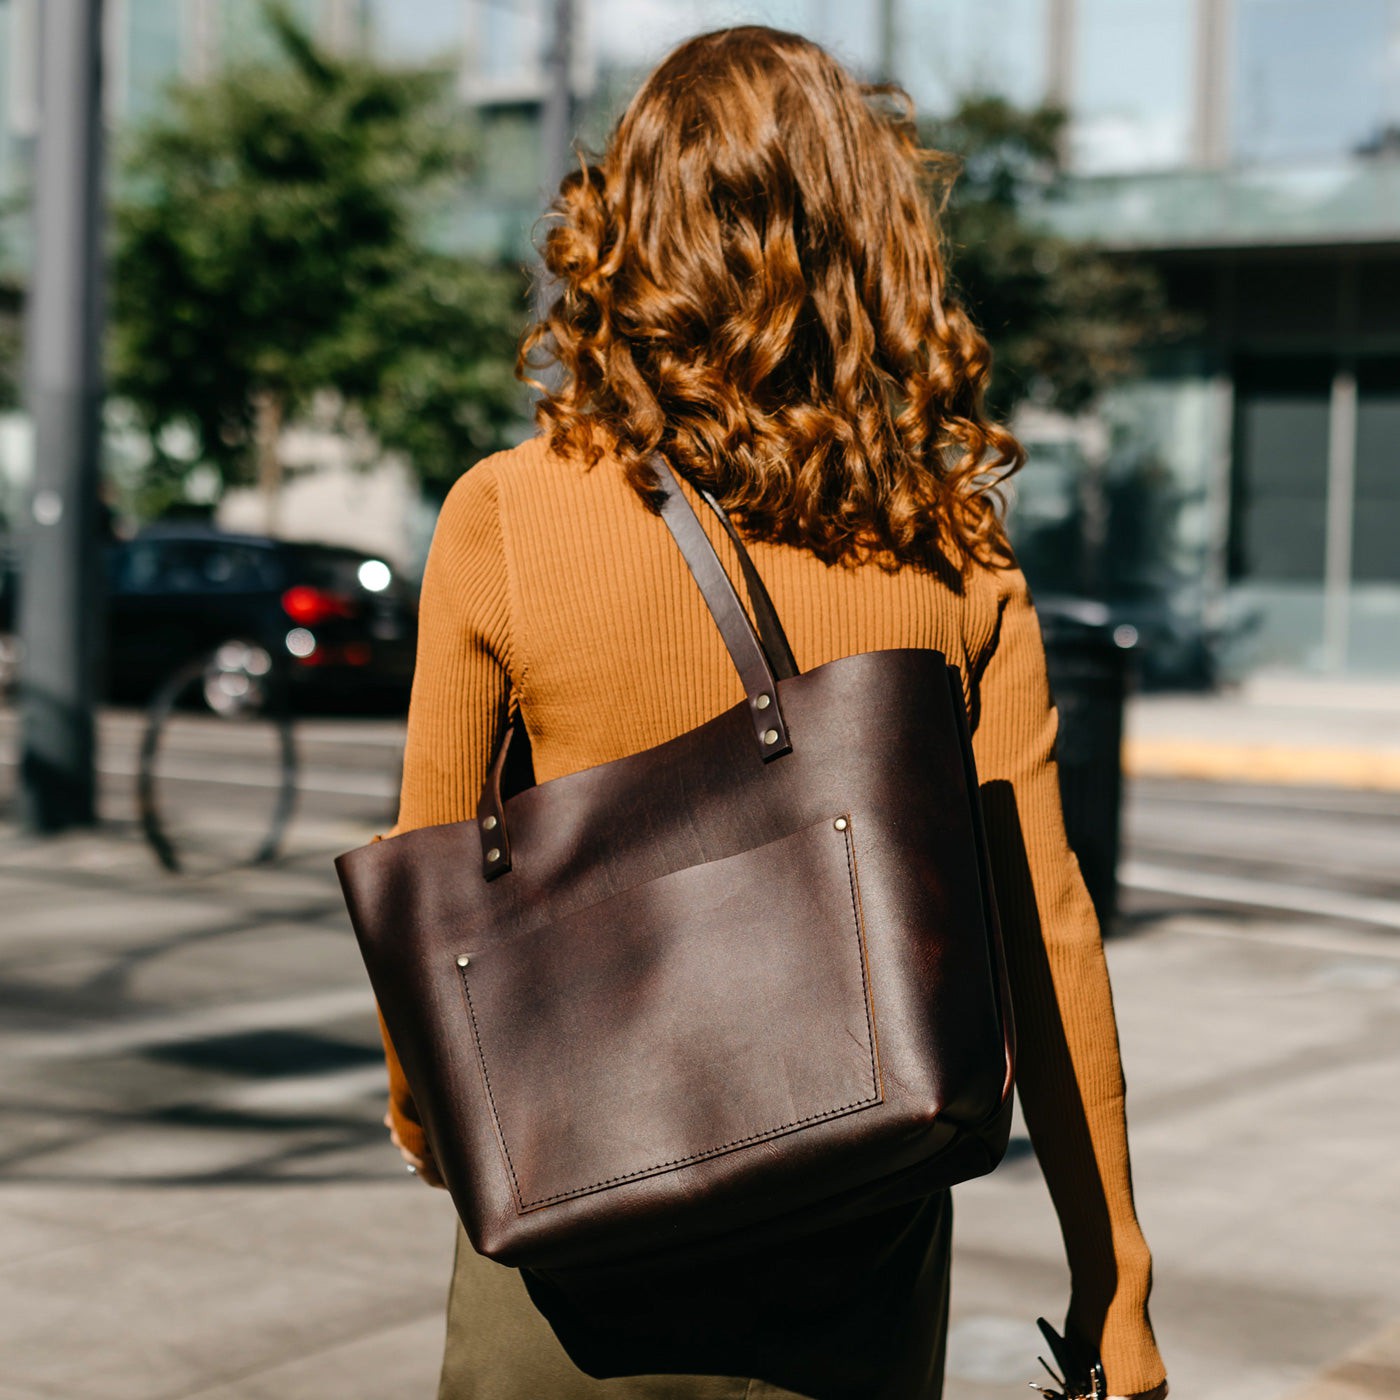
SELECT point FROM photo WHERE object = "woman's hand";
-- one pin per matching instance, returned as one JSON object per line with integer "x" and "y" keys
{"x": 423, "y": 1167}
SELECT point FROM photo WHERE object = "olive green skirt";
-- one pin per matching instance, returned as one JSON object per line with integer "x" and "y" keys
{"x": 888, "y": 1334}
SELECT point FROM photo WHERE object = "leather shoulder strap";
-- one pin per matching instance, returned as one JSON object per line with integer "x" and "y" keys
{"x": 760, "y": 660}
{"x": 750, "y": 659}
{"x": 770, "y": 628}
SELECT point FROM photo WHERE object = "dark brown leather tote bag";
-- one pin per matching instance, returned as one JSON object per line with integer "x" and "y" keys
{"x": 740, "y": 986}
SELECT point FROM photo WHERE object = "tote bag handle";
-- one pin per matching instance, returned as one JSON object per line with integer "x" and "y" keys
{"x": 761, "y": 656}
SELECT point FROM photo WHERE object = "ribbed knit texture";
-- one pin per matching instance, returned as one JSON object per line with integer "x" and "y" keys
{"x": 552, "y": 586}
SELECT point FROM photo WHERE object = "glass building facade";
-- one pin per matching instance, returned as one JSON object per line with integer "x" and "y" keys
{"x": 1248, "y": 483}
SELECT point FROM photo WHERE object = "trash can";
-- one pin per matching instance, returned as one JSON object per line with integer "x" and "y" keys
{"x": 1089, "y": 661}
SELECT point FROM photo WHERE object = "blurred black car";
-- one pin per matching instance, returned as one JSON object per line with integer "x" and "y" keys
{"x": 342, "y": 624}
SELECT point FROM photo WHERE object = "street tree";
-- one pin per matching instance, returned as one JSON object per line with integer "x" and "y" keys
{"x": 1065, "y": 319}
{"x": 272, "y": 245}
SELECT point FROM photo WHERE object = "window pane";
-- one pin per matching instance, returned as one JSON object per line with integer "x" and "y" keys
{"x": 426, "y": 31}
{"x": 946, "y": 48}
{"x": 635, "y": 34}
{"x": 943, "y": 47}
{"x": 509, "y": 41}
{"x": 1313, "y": 77}
{"x": 1132, "y": 84}
{"x": 1376, "y": 536}
{"x": 151, "y": 54}
{"x": 1278, "y": 524}
{"x": 1280, "y": 505}
{"x": 1046, "y": 518}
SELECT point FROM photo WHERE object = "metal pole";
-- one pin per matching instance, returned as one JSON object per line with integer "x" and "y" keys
{"x": 60, "y": 604}
{"x": 1220, "y": 468}
{"x": 888, "y": 40}
{"x": 1341, "y": 480}
{"x": 1341, "y": 494}
{"x": 1062, "y": 27}
{"x": 556, "y": 122}
{"x": 1059, "y": 53}
{"x": 1211, "y": 96}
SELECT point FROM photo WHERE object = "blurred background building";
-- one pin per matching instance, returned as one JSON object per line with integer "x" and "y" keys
{"x": 1247, "y": 481}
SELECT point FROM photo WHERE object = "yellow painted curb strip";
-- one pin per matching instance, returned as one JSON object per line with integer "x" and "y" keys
{"x": 1263, "y": 763}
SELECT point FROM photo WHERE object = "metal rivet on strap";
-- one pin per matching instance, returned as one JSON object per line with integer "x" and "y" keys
{"x": 462, "y": 960}
{"x": 494, "y": 853}
{"x": 488, "y": 823}
{"x": 764, "y": 701}
{"x": 840, "y": 823}
{"x": 770, "y": 736}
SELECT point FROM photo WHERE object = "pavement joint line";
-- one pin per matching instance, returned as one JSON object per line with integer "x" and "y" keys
{"x": 184, "y": 1026}
{"x": 1343, "y": 801}
{"x": 1338, "y": 943}
{"x": 367, "y": 738}
{"x": 1260, "y": 894}
{"x": 327, "y": 783}
{"x": 390, "y": 1320}
{"x": 387, "y": 734}
{"x": 381, "y": 730}
{"x": 1371, "y": 1370}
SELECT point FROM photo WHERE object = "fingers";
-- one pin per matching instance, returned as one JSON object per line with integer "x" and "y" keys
{"x": 430, "y": 1176}
{"x": 424, "y": 1167}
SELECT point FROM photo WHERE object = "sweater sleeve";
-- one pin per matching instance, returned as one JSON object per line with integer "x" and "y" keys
{"x": 1069, "y": 1073}
{"x": 462, "y": 692}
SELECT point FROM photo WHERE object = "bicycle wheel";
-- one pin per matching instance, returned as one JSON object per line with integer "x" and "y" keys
{"x": 217, "y": 777}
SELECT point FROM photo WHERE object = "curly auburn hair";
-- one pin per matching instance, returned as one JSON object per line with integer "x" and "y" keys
{"x": 750, "y": 282}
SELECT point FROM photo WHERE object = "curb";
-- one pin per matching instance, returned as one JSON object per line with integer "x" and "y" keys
{"x": 1282, "y": 765}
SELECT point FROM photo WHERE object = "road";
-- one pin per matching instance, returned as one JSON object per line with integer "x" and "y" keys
{"x": 1299, "y": 850}
{"x": 196, "y": 1200}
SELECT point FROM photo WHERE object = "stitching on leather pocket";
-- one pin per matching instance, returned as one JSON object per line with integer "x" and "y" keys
{"x": 874, "y": 1097}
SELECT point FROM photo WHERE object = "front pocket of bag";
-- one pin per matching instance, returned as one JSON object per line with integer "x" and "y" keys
{"x": 701, "y": 1014}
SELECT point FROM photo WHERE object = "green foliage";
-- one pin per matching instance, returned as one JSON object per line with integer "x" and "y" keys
{"x": 11, "y": 330}
{"x": 450, "y": 392}
{"x": 1064, "y": 319}
{"x": 271, "y": 247}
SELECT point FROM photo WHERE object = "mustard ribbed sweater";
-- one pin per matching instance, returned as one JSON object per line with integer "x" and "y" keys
{"x": 551, "y": 585}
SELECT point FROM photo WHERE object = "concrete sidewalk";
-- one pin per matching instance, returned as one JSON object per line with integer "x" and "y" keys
{"x": 1372, "y": 1369}
{"x": 1286, "y": 730}
{"x": 197, "y": 1202}
{"x": 197, "y": 1198}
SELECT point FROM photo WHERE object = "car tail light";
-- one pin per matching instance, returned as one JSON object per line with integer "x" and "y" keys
{"x": 308, "y": 606}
